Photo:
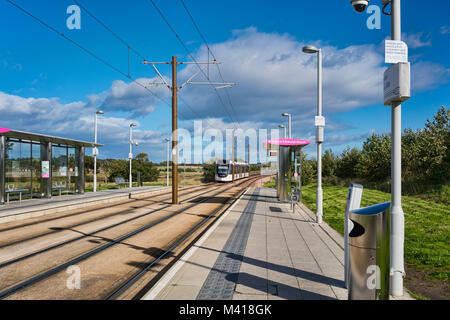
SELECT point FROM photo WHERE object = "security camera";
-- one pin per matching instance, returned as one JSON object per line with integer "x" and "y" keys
{"x": 359, "y": 5}
{"x": 136, "y": 143}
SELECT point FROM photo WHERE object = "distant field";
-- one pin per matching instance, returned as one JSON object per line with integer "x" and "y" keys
{"x": 427, "y": 229}
{"x": 192, "y": 178}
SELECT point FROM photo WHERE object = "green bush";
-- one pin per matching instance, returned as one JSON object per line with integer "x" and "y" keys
{"x": 425, "y": 161}
{"x": 209, "y": 172}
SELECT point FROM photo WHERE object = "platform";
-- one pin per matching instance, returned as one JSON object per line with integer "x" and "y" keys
{"x": 259, "y": 249}
{"x": 38, "y": 207}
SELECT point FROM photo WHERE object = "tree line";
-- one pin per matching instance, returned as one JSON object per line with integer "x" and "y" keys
{"x": 425, "y": 159}
{"x": 109, "y": 169}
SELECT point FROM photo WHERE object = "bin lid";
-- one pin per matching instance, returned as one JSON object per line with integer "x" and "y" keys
{"x": 375, "y": 209}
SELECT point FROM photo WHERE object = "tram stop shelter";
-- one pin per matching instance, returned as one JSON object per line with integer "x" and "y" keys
{"x": 40, "y": 166}
{"x": 289, "y": 155}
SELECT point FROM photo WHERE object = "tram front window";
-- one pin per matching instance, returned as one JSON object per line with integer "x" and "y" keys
{"x": 222, "y": 171}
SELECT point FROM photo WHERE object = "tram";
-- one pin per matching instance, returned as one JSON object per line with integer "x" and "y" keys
{"x": 224, "y": 170}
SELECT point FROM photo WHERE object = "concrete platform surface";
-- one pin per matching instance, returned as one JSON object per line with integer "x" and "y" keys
{"x": 260, "y": 250}
{"x": 38, "y": 207}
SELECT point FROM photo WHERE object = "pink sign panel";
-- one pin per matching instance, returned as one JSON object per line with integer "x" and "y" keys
{"x": 288, "y": 142}
{"x": 3, "y": 130}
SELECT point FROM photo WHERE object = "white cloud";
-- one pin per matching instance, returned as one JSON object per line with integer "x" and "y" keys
{"x": 445, "y": 30}
{"x": 428, "y": 75}
{"x": 72, "y": 120}
{"x": 272, "y": 76}
{"x": 131, "y": 97}
{"x": 414, "y": 40}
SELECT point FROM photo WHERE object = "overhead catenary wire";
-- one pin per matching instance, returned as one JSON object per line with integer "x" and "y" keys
{"x": 192, "y": 57}
{"x": 140, "y": 55}
{"x": 109, "y": 29}
{"x": 210, "y": 52}
{"x": 111, "y": 66}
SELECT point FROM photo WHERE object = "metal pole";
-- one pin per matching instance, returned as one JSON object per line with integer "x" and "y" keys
{"x": 184, "y": 167}
{"x": 174, "y": 132}
{"x": 2, "y": 168}
{"x": 319, "y": 194}
{"x": 81, "y": 171}
{"x": 130, "y": 156}
{"x": 397, "y": 216}
{"x": 95, "y": 155}
{"x": 232, "y": 166}
{"x": 168, "y": 157}
{"x": 285, "y": 136}
{"x": 290, "y": 130}
{"x": 249, "y": 153}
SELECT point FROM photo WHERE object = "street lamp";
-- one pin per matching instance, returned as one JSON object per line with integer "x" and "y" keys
{"x": 289, "y": 116}
{"x": 168, "y": 148}
{"x": 319, "y": 132}
{"x": 95, "y": 150}
{"x": 282, "y": 126}
{"x": 130, "y": 155}
{"x": 397, "y": 270}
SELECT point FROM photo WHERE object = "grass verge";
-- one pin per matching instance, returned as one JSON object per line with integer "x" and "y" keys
{"x": 427, "y": 228}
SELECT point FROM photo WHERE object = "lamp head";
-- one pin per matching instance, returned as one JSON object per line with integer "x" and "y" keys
{"x": 285, "y": 114}
{"x": 310, "y": 49}
{"x": 133, "y": 125}
{"x": 100, "y": 112}
{"x": 281, "y": 126}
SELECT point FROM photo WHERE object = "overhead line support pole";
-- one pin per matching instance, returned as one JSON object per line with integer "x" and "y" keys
{"x": 174, "y": 131}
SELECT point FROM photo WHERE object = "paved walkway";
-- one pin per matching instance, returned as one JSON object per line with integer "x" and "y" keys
{"x": 259, "y": 249}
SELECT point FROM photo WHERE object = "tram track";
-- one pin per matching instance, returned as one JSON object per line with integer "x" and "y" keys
{"x": 124, "y": 286}
{"x": 90, "y": 209}
{"x": 21, "y": 258}
{"x": 18, "y": 286}
{"x": 105, "y": 216}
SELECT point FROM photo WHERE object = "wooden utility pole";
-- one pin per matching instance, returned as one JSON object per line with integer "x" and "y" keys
{"x": 174, "y": 131}
{"x": 174, "y": 90}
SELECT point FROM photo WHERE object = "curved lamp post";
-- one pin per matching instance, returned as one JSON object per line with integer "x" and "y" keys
{"x": 319, "y": 132}
{"x": 130, "y": 155}
{"x": 282, "y": 126}
{"x": 95, "y": 150}
{"x": 290, "y": 117}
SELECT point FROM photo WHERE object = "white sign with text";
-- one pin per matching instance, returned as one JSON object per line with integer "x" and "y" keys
{"x": 396, "y": 51}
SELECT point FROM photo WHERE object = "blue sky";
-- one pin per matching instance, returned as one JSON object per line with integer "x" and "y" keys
{"x": 48, "y": 85}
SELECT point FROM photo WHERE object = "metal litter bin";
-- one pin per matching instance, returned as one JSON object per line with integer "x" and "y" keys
{"x": 369, "y": 253}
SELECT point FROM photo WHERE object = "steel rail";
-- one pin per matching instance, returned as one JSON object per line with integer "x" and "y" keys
{"x": 4, "y": 264}
{"x": 88, "y": 221}
{"x": 54, "y": 270}
{"x": 173, "y": 246}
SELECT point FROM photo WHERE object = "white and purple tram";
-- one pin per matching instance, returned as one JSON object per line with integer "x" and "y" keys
{"x": 224, "y": 170}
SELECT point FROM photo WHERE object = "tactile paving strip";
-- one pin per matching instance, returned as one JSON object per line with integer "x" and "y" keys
{"x": 221, "y": 281}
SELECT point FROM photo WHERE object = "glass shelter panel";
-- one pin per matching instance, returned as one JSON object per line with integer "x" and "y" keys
{"x": 36, "y": 178}
{"x": 72, "y": 173}
{"x": 37, "y": 166}
{"x": 17, "y": 169}
{"x": 62, "y": 179}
